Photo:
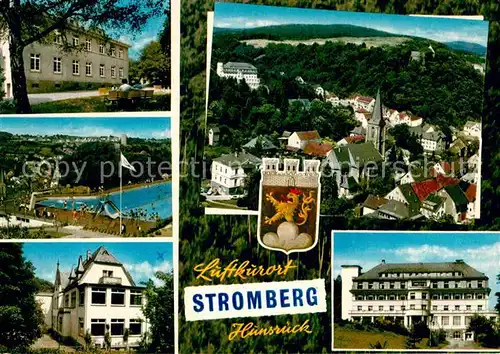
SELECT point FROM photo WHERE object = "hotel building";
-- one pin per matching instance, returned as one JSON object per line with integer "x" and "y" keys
{"x": 97, "y": 296}
{"x": 240, "y": 71}
{"x": 93, "y": 61}
{"x": 443, "y": 295}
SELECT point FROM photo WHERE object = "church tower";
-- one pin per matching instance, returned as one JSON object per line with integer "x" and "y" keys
{"x": 377, "y": 130}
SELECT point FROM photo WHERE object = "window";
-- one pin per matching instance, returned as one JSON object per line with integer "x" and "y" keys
{"x": 113, "y": 51}
{"x": 391, "y": 308}
{"x": 412, "y": 307}
{"x": 412, "y": 296}
{"x": 107, "y": 273}
{"x": 360, "y": 297}
{"x": 392, "y": 297}
{"x": 457, "y": 307}
{"x": 445, "y": 320}
{"x": 360, "y": 308}
{"x": 424, "y": 307}
{"x": 446, "y": 297}
{"x": 99, "y": 296}
{"x": 403, "y": 286}
{"x": 480, "y": 307}
{"x": 120, "y": 73}
{"x": 73, "y": 299}
{"x": 469, "y": 296}
{"x": 97, "y": 327}
{"x": 370, "y": 308}
{"x": 88, "y": 45}
{"x": 120, "y": 53}
{"x": 117, "y": 297}
{"x": 101, "y": 48}
{"x": 424, "y": 296}
{"x": 434, "y": 308}
{"x": 57, "y": 38}
{"x": 468, "y": 307}
{"x": 457, "y": 296}
{"x": 66, "y": 300}
{"x": 57, "y": 67}
{"x": 88, "y": 69}
{"x": 76, "y": 41}
{"x": 381, "y": 297}
{"x": 467, "y": 320}
{"x": 81, "y": 297}
{"x": 381, "y": 308}
{"x": 391, "y": 285}
{"x": 76, "y": 67}
{"x": 370, "y": 297}
{"x": 403, "y": 308}
{"x": 479, "y": 296}
{"x": 102, "y": 70}
{"x": 136, "y": 298}
{"x": 117, "y": 326}
{"x": 402, "y": 297}
{"x": 456, "y": 320}
{"x": 113, "y": 71}
{"x": 445, "y": 308}
{"x": 135, "y": 327}
{"x": 446, "y": 284}
{"x": 35, "y": 62}
{"x": 434, "y": 284}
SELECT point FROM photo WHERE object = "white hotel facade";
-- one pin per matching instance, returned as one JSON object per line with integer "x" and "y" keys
{"x": 239, "y": 71}
{"x": 94, "y": 61}
{"x": 98, "y": 295}
{"x": 443, "y": 295}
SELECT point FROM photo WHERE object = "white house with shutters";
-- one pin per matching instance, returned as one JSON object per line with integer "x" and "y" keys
{"x": 97, "y": 296}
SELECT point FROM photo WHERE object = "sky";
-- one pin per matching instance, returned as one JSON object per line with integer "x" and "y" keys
{"x": 142, "y": 127}
{"x": 230, "y": 15}
{"x": 366, "y": 249}
{"x": 142, "y": 260}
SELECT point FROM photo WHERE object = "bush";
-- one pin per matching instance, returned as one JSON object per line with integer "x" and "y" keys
{"x": 436, "y": 338}
{"x": 7, "y": 106}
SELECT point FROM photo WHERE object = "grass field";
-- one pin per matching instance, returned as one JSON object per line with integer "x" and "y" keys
{"x": 90, "y": 105}
{"x": 348, "y": 338}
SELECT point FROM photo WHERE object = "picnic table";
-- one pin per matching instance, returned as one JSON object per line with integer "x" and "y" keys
{"x": 128, "y": 99}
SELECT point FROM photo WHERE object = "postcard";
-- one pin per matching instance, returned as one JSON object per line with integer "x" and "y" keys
{"x": 85, "y": 177}
{"x": 375, "y": 98}
{"x": 414, "y": 290}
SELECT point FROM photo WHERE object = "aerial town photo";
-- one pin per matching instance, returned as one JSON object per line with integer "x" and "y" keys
{"x": 423, "y": 290}
{"x": 85, "y": 177}
{"x": 391, "y": 106}
{"x": 88, "y": 297}
{"x": 98, "y": 58}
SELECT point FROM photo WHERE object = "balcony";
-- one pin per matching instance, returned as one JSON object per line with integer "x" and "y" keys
{"x": 110, "y": 280}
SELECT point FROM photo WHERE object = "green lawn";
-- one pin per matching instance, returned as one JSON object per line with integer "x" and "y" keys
{"x": 223, "y": 204}
{"x": 89, "y": 105}
{"x": 348, "y": 338}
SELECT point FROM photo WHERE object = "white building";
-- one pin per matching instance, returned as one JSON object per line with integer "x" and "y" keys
{"x": 230, "y": 171}
{"x": 473, "y": 129}
{"x": 95, "y": 61}
{"x": 98, "y": 295}
{"x": 213, "y": 136}
{"x": 299, "y": 140}
{"x": 240, "y": 71}
{"x": 443, "y": 295}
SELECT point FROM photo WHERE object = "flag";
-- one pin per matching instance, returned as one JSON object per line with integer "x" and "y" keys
{"x": 124, "y": 163}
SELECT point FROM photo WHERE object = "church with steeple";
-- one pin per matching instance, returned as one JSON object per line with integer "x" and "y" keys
{"x": 376, "y": 131}
{"x": 98, "y": 296}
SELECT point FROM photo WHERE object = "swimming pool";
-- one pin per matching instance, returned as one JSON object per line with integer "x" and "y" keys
{"x": 151, "y": 199}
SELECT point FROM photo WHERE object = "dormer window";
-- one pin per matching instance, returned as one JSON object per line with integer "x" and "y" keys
{"x": 107, "y": 273}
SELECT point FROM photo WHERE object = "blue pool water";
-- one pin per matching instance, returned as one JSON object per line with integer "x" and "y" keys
{"x": 152, "y": 199}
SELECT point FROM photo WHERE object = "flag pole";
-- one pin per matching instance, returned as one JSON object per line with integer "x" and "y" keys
{"x": 121, "y": 192}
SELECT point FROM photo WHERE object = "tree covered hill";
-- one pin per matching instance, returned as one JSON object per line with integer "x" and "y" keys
{"x": 445, "y": 90}
{"x": 468, "y": 47}
{"x": 302, "y": 31}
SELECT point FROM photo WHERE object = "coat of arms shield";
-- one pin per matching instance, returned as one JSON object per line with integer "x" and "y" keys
{"x": 289, "y": 204}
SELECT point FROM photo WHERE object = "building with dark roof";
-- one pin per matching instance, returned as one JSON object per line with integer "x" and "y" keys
{"x": 442, "y": 295}
{"x": 97, "y": 295}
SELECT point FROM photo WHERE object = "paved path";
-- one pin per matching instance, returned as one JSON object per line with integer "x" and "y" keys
{"x": 78, "y": 232}
{"x": 47, "y": 342}
{"x": 36, "y": 98}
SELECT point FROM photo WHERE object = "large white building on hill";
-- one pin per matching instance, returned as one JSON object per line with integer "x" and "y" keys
{"x": 443, "y": 295}
{"x": 98, "y": 295}
{"x": 240, "y": 71}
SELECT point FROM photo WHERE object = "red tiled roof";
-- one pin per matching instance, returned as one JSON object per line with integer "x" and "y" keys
{"x": 426, "y": 188}
{"x": 470, "y": 193}
{"x": 309, "y": 135}
{"x": 354, "y": 139}
{"x": 317, "y": 149}
{"x": 364, "y": 99}
{"x": 362, "y": 110}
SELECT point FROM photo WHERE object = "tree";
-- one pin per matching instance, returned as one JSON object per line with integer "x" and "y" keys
{"x": 159, "y": 310}
{"x": 20, "y": 317}
{"x": 154, "y": 64}
{"x": 88, "y": 339}
{"x": 28, "y": 22}
{"x": 497, "y": 294}
{"x": 485, "y": 332}
{"x": 329, "y": 191}
{"x": 126, "y": 334}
